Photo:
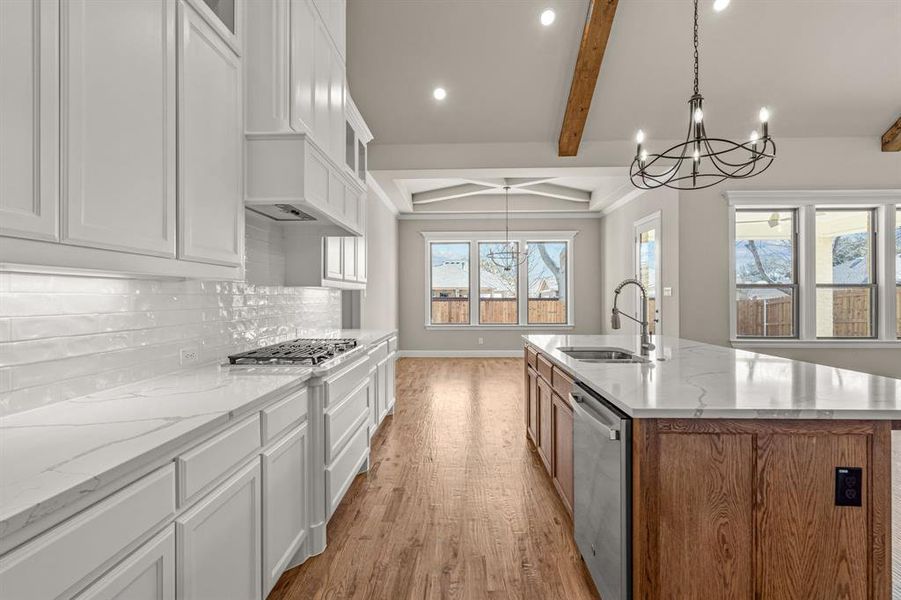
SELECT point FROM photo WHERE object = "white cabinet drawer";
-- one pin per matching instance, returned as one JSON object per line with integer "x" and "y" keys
{"x": 53, "y": 563}
{"x": 338, "y": 386}
{"x": 341, "y": 473}
{"x": 206, "y": 463}
{"x": 277, "y": 418}
{"x": 342, "y": 420}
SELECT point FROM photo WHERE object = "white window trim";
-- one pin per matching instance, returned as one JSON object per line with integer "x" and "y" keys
{"x": 886, "y": 202}
{"x": 473, "y": 238}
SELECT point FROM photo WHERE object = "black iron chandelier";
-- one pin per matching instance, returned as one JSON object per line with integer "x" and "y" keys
{"x": 508, "y": 256}
{"x": 701, "y": 161}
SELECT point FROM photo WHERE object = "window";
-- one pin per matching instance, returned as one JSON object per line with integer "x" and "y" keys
{"x": 547, "y": 282}
{"x": 647, "y": 266}
{"x": 449, "y": 283}
{"x": 898, "y": 272}
{"x": 535, "y": 293}
{"x": 498, "y": 285}
{"x": 765, "y": 273}
{"x": 845, "y": 276}
{"x": 815, "y": 267}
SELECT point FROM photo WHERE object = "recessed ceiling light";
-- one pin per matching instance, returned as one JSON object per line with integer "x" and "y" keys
{"x": 720, "y": 5}
{"x": 548, "y": 17}
{"x": 439, "y": 93}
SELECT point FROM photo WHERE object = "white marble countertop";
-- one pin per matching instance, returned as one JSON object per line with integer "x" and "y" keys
{"x": 53, "y": 455}
{"x": 695, "y": 380}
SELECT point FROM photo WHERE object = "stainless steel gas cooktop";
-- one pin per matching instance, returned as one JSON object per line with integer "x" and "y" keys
{"x": 295, "y": 352}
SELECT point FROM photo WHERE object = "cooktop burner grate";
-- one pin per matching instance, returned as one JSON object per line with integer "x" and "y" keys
{"x": 295, "y": 352}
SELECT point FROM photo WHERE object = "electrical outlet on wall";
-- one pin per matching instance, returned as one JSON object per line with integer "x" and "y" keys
{"x": 187, "y": 356}
{"x": 481, "y": 341}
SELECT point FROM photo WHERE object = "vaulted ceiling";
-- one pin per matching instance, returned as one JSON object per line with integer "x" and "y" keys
{"x": 824, "y": 67}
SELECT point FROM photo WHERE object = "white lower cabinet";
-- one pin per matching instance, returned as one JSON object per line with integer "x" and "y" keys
{"x": 218, "y": 541}
{"x": 285, "y": 491}
{"x": 147, "y": 574}
{"x": 389, "y": 382}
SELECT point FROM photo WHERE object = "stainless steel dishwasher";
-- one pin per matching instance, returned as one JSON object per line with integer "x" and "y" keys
{"x": 602, "y": 473}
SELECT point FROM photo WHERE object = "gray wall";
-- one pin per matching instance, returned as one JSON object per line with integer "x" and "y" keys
{"x": 380, "y": 298}
{"x": 846, "y": 163}
{"x": 412, "y": 292}
{"x": 618, "y": 254}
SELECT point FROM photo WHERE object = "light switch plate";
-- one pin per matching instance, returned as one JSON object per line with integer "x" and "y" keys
{"x": 667, "y": 291}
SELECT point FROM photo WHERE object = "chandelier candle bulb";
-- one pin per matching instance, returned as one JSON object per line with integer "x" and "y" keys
{"x": 699, "y": 115}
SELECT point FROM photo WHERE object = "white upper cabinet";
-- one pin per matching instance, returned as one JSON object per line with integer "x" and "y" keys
{"x": 29, "y": 118}
{"x": 209, "y": 144}
{"x": 303, "y": 72}
{"x": 118, "y": 125}
{"x": 334, "y": 15}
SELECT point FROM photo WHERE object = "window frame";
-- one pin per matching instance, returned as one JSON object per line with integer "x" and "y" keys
{"x": 478, "y": 253}
{"x": 885, "y": 204}
{"x": 795, "y": 285}
{"x": 873, "y": 286}
{"x": 431, "y": 286}
{"x": 473, "y": 238}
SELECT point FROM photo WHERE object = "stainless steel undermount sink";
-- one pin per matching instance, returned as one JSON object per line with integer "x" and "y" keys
{"x": 602, "y": 355}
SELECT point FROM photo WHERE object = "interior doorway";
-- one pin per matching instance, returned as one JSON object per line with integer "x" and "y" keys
{"x": 647, "y": 269}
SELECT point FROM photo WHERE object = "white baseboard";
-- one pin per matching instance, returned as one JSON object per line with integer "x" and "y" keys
{"x": 459, "y": 353}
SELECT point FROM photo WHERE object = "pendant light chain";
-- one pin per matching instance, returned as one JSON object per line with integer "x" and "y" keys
{"x": 697, "y": 86}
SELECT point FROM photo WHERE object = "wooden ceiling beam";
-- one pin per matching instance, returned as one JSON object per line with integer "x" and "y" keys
{"x": 585, "y": 75}
{"x": 891, "y": 139}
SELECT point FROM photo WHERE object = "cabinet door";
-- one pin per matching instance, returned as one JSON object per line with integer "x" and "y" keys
{"x": 210, "y": 136}
{"x": 147, "y": 574}
{"x": 532, "y": 405}
{"x": 29, "y": 118}
{"x": 218, "y": 542}
{"x": 284, "y": 503}
{"x": 303, "y": 62}
{"x": 118, "y": 122}
{"x": 322, "y": 71}
{"x": 383, "y": 389}
{"x": 545, "y": 431}
{"x": 336, "y": 107}
{"x": 350, "y": 259}
{"x": 390, "y": 372}
{"x": 563, "y": 450}
{"x": 361, "y": 259}
{"x": 333, "y": 263}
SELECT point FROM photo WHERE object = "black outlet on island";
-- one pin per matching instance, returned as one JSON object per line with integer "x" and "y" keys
{"x": 848, "y": 486}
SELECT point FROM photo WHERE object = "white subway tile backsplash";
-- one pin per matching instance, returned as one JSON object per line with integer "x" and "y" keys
{"x": 67, "y": 336}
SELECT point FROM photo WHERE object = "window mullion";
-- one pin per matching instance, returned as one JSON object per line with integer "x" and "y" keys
{"x": 807, "y": 272}
{"x": 522, "y": 288}
{"x": 475, "y": 295}
{"x": 885, "y": 275}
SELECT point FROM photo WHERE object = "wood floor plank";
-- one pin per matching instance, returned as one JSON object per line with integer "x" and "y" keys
{"x": 456, "y": 503}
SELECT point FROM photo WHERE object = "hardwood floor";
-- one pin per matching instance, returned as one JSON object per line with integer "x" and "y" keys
{"x": 456, "y": 503}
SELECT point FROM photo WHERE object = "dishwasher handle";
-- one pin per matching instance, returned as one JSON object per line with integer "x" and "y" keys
{"x": 586, "y": 411}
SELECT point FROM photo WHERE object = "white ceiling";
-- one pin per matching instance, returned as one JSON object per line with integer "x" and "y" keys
{"x": 824, "y": 67}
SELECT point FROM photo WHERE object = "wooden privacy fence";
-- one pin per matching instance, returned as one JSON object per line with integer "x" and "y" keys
{"x": 772, "y": 317}
{"x": 500, "y": 311}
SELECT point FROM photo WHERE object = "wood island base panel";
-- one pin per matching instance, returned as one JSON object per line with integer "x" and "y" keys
{"x": 787, "y": 508}
{"x": 747, "y": 509}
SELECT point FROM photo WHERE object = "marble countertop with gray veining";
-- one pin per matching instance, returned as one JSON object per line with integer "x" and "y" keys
{"x": 53, "y": 455}
{"x": 687, "y": 379}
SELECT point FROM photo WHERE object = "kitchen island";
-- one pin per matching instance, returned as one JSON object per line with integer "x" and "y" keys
{"x": 736, "y": 465}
